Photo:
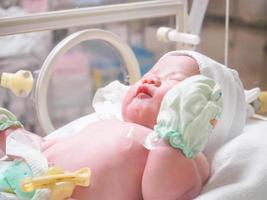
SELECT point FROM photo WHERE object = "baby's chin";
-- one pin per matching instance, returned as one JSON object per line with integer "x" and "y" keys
{"x": 139, "y": 118}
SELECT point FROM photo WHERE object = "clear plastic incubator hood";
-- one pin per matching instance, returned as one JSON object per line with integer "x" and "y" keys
{"x": 35, "y": 85}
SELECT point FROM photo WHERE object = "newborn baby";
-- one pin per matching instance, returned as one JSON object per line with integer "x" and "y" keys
{"x": 122, "y": 168}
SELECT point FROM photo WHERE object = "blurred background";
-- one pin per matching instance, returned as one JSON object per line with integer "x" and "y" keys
{"x": 93, "y": 64}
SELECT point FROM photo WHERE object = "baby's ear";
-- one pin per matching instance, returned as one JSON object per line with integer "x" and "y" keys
{"x": 191, "y": 109}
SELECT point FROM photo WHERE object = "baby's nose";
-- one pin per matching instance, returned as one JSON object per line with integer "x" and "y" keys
{"x": 152, "y": 80}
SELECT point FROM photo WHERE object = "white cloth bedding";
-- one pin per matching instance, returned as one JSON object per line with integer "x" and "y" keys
{"x": 239, "y": 168}
{"x": 107, "y": 104}
{"x": 73, "y": 127}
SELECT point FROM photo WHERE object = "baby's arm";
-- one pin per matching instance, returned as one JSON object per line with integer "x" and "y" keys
{"x": 170, "y": 175}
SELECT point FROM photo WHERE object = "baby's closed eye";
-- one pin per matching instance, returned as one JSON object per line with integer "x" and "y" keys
{"x": 176, "y": 78}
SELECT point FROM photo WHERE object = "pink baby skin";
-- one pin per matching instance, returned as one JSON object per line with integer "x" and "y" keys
{"x": 122, "y": 168}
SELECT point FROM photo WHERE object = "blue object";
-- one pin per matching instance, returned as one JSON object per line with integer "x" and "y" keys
{"x": 11, "y": 179}
{"x": 145, "y": 58}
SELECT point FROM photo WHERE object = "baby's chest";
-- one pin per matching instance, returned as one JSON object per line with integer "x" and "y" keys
{"x": 99, "y": 147}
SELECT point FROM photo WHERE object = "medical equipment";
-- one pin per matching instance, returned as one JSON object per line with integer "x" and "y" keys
{"x": 57, "y": 175}
{"x": 90, "y": 16}
{"x": 260, "y": 106}
{"x": 59, "y": 182}
{"x": 196, "y": 17}
{"x": 103, "y": 15}
{"x": 25, "y": 172}
{"x": 165, "y": 34}
{"x": 262, "y": 100}
{"x": 20, "y": 83}
{"x": 69, "y": 42}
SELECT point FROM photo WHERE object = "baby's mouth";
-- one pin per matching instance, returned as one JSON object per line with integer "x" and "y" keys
{"x": 143, "y": 91}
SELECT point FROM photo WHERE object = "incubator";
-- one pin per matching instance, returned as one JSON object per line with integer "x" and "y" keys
{"x": 24, "y": 83}
{"x": 33, "y": 84}
{"x": 106, "y": 14}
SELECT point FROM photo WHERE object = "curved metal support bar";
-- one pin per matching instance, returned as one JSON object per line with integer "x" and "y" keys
{"x": 42, "y": 82}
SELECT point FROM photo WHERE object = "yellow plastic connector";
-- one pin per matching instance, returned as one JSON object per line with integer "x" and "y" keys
{"x": 20, "y": 83}
{"x": 60, "y": 183}
{"x": 263, "y": 103}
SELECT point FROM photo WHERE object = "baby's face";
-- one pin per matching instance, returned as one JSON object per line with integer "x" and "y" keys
{"x": 142, "y": 102}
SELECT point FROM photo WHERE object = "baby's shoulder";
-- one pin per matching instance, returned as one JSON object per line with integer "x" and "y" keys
{"x": 114, "y": 123}
{"x": 116, "y": 127}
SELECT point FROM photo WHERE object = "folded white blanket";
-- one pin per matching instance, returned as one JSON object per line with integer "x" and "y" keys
{"x": 239, "y": 168}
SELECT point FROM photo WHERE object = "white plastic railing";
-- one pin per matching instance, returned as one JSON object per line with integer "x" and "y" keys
{"x": 91, "y": 16}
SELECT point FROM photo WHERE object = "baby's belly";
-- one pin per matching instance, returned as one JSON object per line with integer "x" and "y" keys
{"x": 116, "y": 162}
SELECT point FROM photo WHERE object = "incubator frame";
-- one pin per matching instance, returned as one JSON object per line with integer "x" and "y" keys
{"x": 52, "y": 20}
{"x": 185, "y": 23}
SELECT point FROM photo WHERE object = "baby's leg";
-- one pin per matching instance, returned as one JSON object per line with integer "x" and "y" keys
{"x": 169, "y": 175}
